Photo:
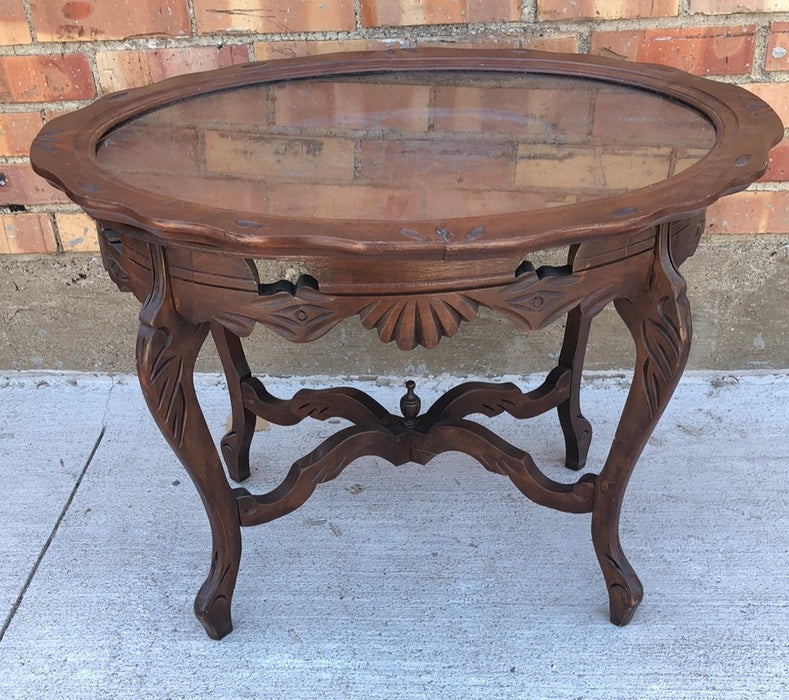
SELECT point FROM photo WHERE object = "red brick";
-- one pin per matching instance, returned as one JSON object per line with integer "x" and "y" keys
{"x": 119, "y": 70}
{"x": 45, "y": 78}
{"x": 567, "y": 43}
{"x": 725, "y": 7}
{"x": 640, "y": 117}
{"x": 554, "y": 42}
{"x": 17, "y": 130}
{"x": 13, "y": 23}
{"x": 26, "y": 233}
{"x": 575, "y": 167}
{"x": 92, "y": 20}
{"x": 379, "y": 13}
{"x": 700, "y": 50}
{"x": 605, "y": 9}
{"x": 356, "y": 202}
{"x": 77, "y": 232}
{"x": 749, "y": 213}
{"x": 418, "y": 163}
{"x": 247, "y": 196}
{"x": 353, "y": 106}
{"x": 247, "y": 106}
{"x": 539, "y": 109}
{"x": 476, "y": 41}
{"x": 589, "y": 167}
{"x": 146, "y": 148}
{"x": 23, "y": 186}
{"x": 778, "y": 47}
{"x": 268, "y": 50}
{"x": 260, "y": 155}
{"x": 629, "y": 169}
{"x": 686, "y": 157}
{"x": 269, "y": 16}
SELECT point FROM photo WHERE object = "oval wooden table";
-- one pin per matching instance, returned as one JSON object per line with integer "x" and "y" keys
{"x": 416, "y": 187}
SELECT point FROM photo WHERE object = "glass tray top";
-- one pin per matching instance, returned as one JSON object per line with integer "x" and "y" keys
{"x": 429, "y": 154}
{"x": 408, "y": 145}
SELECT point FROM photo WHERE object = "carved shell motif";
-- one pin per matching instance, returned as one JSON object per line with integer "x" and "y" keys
{"x": 418, "y": 320}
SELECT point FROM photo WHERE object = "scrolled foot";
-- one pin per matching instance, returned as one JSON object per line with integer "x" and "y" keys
{"x": 214, "y": 616}
{"x": 213, "y": 601}
{"x": 577, "y": 437}
{"x": 622, "y": 604}
{"x": 235, "y": 450}
{"x": 625, "y": 591}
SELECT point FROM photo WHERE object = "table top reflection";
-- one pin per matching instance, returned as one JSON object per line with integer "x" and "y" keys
{"x": 408, "y": 145}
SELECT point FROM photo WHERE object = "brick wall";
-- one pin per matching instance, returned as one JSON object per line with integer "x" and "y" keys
{"x": 58, "y": 55}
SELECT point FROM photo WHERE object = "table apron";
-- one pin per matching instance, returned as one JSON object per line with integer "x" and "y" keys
{"x": 210, "y": 286}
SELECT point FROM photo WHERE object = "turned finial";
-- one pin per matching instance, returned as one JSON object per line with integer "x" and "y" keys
{"x": 410, "y": 404}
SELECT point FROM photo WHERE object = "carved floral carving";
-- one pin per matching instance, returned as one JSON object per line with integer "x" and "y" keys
{"x": 162, "y": 341}
{"x": 659, "y": 320}
{"x": 663, "y": 346}
{"x": 163, "y": 371}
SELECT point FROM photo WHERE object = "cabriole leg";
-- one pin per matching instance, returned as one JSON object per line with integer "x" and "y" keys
{"x": 237, "y": 441}
{"x": 659, "y": 321}
{"x": 577, "y": 430}
{"x": 167, "y": 347}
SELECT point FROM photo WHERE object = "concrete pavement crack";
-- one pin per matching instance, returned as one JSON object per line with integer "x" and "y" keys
{"x": 45, "y": 548}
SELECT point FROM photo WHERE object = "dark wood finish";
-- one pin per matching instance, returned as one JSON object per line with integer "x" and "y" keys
{"x": 65, "y": 153}
{"x": 238, "y": 440}
{"x": 658, "y": 317}
{"x": 576, "y": 429}
{"x": 191, "y": 265}
{"x": 167, "y": 346}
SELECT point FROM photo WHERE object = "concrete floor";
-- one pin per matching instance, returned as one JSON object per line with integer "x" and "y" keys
{"x": 408, "y": 582}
